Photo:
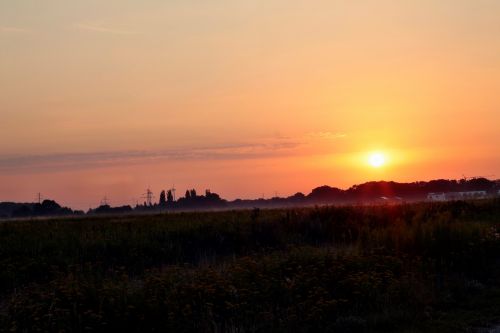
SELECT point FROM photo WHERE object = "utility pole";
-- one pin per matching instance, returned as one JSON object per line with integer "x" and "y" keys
{"x": 39, "y": 197}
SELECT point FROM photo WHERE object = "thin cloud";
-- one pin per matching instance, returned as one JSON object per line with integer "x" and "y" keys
{"x": 96, "y": 27}
{"x": 6, "y": 29}
{"x": 69, "y": 161}
{"x": 327, "y": 135}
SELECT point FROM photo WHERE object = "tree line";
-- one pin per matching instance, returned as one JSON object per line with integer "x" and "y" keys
{"x": 370, "y": 192}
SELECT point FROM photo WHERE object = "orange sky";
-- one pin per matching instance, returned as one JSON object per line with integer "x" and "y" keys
{"x": 243, "y": 97}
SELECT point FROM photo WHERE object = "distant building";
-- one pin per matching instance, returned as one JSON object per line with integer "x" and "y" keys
{"x": 466, "y": 195}
{"x": 456, "y": 195}
{"x": 436, "y": 196}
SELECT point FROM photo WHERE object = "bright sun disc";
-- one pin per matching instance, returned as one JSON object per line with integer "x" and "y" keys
{"x": 376, "y": 160}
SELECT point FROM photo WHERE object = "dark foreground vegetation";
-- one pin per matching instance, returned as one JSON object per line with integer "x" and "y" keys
{"x": 429, "y": 267}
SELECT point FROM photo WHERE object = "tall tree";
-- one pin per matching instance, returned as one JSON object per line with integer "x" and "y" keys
{"x": 163, "y": 200}
{"x": 170, "y": 197}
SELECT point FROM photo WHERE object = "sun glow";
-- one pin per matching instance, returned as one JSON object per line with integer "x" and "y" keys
{"x": 376, "y": 159}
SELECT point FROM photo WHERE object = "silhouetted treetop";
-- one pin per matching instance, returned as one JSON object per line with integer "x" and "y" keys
{"x": 163, "y": 199}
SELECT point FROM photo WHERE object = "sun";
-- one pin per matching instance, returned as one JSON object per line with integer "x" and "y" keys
{"x": 376, "y": 160}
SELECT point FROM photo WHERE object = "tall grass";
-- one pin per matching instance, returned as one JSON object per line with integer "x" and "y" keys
{"x": 366, "y": 268}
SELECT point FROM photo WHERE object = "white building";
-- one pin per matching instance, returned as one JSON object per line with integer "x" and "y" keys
{"x": 456, "y": 195}
{"x": 466, "y": 195}
{"x": 436, "y": 196}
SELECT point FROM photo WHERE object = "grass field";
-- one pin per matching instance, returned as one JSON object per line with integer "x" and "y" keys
{"x": 428, "y": 267}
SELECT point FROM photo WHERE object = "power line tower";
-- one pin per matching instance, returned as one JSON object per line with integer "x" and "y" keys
{"x": 39, "y": 198}
{"x": 148, "y": 196}
{"x": 104, "y": 201}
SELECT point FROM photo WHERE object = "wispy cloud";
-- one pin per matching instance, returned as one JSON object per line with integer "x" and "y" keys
{"x": 327, "y": 135}
{"x": 260, "y": 148}
{"x": 6, "y": 29}
{"x": 68, "y": 161}
{"x": 98, "y": 27}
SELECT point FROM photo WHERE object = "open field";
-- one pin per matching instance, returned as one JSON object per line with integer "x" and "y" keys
{"x": 429, "y": 267}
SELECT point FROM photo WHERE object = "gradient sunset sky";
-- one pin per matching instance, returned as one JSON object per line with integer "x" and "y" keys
{"x": 246, "y": 98}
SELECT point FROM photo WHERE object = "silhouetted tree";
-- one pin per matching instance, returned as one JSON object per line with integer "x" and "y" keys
{"x": 50, "y": 206}
{"x": 163, "y": 200}
{"x": 193, "y": 193}
{"x": 106, "y": 209}
{"x": 47, "y": 207}
{"x": 188, "y": 194}
{"x": 170, "y": 197}
{"x": 22, "y": 211}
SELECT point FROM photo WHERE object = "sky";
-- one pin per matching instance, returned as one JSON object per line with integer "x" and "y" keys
{"x": 246, "y": 98}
